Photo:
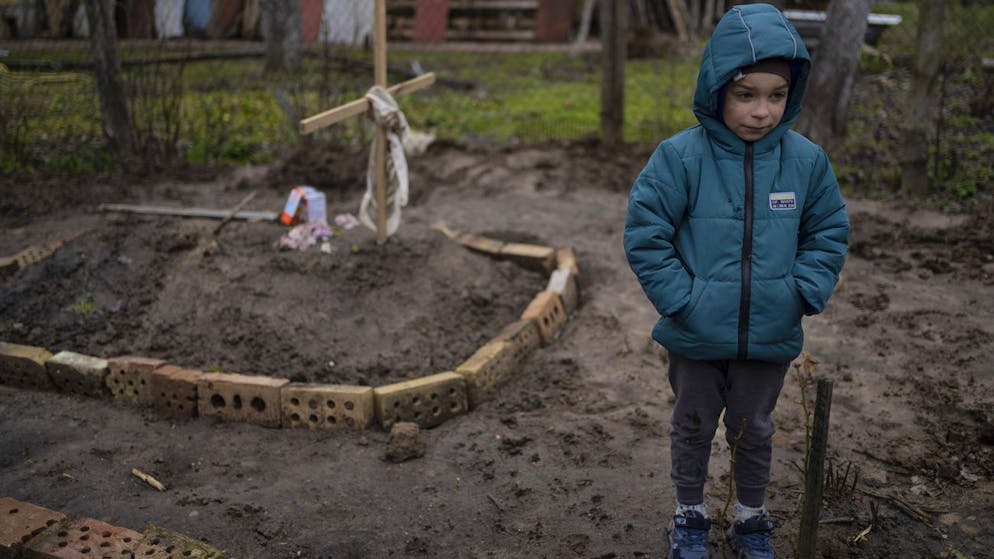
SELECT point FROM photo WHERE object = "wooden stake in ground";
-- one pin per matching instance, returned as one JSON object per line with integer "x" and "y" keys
{"x": 359, "y": 106}
{"x": 814, "y": 472}
{"x": 380, "y": 78}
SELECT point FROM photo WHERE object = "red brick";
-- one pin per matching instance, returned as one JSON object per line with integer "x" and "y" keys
{"x": 234, "y": 397}
{"x": 174, "y": 391}
{"x": 24, "y": 366}
{"x": 327, "y": 406}
{"x": 84, "y": 538}
{"x": 79, "y": 374}
{"x": 129, "y": 378}
{"x": 20, "y": 521}
{"x": 548, "y": 312}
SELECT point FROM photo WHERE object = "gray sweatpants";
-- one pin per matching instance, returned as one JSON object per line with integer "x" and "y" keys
{"x": 748, "y": 392}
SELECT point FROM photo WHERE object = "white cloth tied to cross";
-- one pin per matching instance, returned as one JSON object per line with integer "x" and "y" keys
{"x": 386, "y": 113}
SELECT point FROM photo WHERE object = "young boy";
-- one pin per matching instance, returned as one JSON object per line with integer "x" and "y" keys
{"x": 735, "y": 229}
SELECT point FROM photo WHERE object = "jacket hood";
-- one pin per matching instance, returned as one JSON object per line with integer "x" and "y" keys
{"x": 745, "y": 35}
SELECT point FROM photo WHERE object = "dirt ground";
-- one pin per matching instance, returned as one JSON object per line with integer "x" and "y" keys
{"x": 568, "y": 460}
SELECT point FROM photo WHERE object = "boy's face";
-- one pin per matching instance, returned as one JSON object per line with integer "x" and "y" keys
{"x": 754, "y": 104}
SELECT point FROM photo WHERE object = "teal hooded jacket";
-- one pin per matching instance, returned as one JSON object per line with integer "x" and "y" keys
{"x": 735, "y": 241}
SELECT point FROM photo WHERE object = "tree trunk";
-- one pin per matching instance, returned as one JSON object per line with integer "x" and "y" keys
{"x": 107, "y": 72}
{"x": 613, "y": 37}
{"x": 29, "y": 19}
{"x": 914, "y": 156}
{"x": 678, "y": 13}
{"x": 833, "y": 71}
{"x": 281, "y": 27}
{"x": 707, "y": 18}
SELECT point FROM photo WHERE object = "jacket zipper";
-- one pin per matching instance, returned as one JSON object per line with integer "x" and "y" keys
{"x": 746, "y": 258}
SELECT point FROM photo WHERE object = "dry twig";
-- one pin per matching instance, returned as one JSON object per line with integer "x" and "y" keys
{"x": 148, "y": 479}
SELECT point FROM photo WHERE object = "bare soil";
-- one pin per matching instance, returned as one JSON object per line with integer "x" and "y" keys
{"x": 570, "y": 459}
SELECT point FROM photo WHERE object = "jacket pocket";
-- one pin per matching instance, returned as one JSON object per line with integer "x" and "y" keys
{"x": 697, "y": 289}
{"x": 776, "y": 310}
{"x": 798, "y": 299}
{"x": 713, "y": 318}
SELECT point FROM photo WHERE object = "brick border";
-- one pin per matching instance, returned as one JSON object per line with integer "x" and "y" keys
{"x": 276, "y": 402}
{"x": 29, "y": 530}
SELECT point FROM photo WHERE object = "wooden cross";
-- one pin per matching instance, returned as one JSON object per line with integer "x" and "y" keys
{"x": 359, "y": 106}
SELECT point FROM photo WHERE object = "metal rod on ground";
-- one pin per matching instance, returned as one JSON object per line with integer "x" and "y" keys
{"x": 380, "y": 76}
{"x": 234, "y": 212}
{"x": 814, "y": 476}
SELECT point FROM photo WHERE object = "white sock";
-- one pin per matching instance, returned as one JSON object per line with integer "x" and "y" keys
{"x": 743, "y": 513}
{"x": 701, "y": 508}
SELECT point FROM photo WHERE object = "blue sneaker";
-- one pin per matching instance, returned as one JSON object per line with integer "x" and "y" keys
{"x": 689, "y": 536}
{"x": 750, "y": 539}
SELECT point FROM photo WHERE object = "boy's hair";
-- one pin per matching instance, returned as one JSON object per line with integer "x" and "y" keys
{"x": 777, "y": 66}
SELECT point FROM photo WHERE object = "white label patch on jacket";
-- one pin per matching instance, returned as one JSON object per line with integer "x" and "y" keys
{"x": 782, "y": 201}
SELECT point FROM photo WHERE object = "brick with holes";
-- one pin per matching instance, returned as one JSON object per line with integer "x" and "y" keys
{"x": 24, "y": 366}
{"x": 19, "y": 522}
{"x": 174, "y": 391}
{"x": 83, "y": 538}
{"x": 79, "y": 374}
{"x": 427, "y": 401}
{"x": 235, "y": 397}
{"x": 327, "y": 406}
{"x": 488, "y": 368}
{"x": 162, "y": 543}
{"x": 523, "y": 334}
{"x": 129, "y": 378}
{"x": 548, "y": 312}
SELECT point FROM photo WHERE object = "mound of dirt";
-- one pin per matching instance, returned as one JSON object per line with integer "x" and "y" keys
{"x": 363, "y": 314}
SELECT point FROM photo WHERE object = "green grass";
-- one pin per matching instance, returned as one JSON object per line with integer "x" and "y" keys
{"x": 84, "y": 305}
{"x": 229, "y": 111}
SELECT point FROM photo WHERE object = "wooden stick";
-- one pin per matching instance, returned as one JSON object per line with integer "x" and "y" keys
{"x": 380, "y": 75}
{"x": 359, "y": 106}
{"x": 815, "y": 472}
{"x": 188, "y": 212}
{"x": 234, "y": 211}
{"x": 906, "y": 507}
{"x": 148, "y": 479}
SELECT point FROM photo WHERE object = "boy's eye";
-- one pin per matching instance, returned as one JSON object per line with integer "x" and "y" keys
{"x": 743, "y": 95}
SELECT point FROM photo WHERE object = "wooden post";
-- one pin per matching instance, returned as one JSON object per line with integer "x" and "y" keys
{"x": 814, "y": 472}
{"x": 613, "y": 14}
{"x": 380, "y": 78}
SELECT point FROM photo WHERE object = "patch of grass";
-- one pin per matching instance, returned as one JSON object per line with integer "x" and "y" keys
{"x": 83, "y": 305}
{"x": 229, "y": 111}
